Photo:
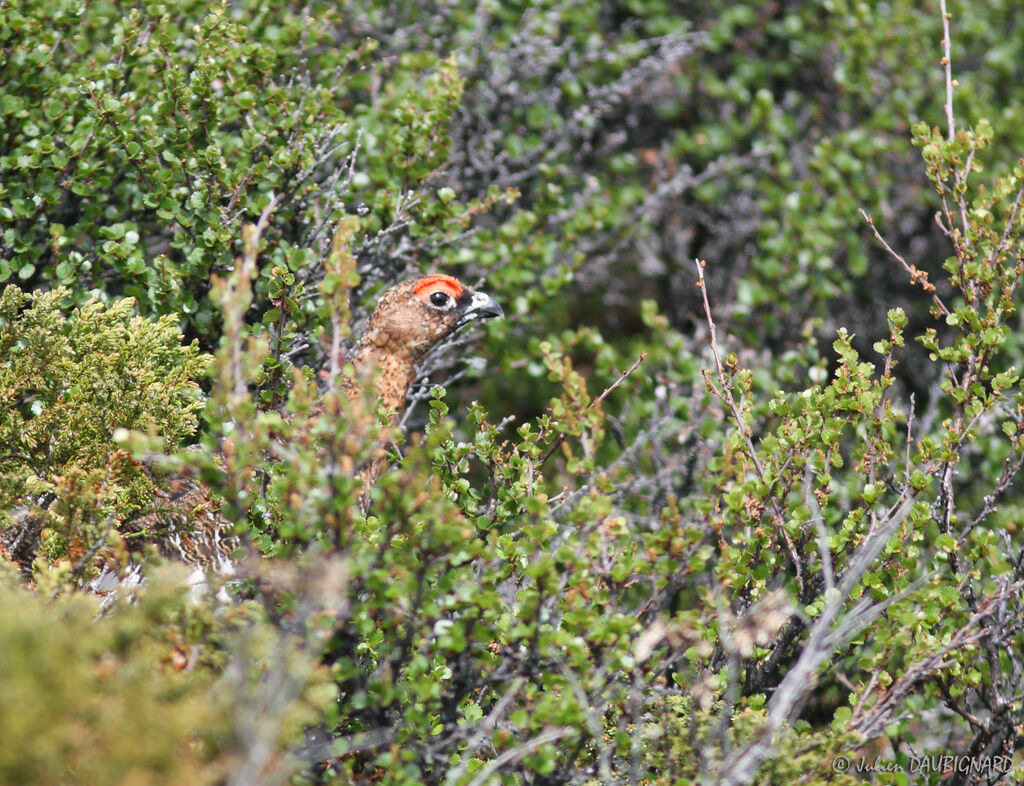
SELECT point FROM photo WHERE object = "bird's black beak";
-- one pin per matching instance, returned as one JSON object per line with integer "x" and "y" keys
{"x": 481, "y": 306}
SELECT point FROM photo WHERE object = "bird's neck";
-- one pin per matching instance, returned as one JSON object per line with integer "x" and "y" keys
{"x": 391, "y": 370}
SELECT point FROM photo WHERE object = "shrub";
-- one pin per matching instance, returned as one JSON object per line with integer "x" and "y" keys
{"x": 70, "y": 380}
{"x": 159, "y": 692}
{"x": 589, "y": 563}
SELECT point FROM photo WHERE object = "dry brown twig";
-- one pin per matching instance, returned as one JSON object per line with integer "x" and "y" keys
{"x": 917, "y": 276}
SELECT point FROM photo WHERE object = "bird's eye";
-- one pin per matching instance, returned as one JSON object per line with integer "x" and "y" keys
{"x": 439, "y": 299}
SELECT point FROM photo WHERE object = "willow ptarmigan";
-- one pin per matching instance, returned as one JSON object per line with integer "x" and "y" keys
{"x": 409, "y": 320}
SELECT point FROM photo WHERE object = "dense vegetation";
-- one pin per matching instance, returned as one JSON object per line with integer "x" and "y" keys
{"x": 669, "y": 521}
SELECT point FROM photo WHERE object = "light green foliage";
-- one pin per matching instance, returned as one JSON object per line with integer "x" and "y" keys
{"x": 74, "y": 686}
{"x": 70, "y": 380}
{"x": 72, "y": 376}
{"x": 588, "y": 562}
{"x": 161, "y": 691}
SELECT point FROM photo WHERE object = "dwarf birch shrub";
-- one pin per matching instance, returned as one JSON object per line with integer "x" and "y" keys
{"x": 589, "y": 562}
{"x": 868, "y": 509}
{"x": 137, "y": 142}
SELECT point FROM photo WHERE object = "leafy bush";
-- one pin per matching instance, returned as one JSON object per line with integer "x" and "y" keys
{"x": 589, "y": 562}
{"x": 151, "y": 693}
{"x": 71, "y": 379}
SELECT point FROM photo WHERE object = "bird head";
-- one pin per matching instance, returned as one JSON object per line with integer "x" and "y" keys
{"x": 413, "y": 316}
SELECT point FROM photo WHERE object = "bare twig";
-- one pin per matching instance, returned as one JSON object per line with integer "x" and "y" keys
{"x": 948, "y": 66}
{"x": 518, "y": 752}
{"x": 622, "y": 378}
{"x": 342, "y": 265}
{"x": 910, "y": 438}
{"x": 916, "y": 276}
{"x": 818, "y": 518}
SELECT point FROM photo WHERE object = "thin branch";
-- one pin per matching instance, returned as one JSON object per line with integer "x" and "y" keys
{"x": 622, "y": 378}
{"x": 910, "y": 438}
{"x": 947, "y": 64}
{"x": 824, "y": 553}
{"x": 518, "y": 752}
{"x": 1004, "y": 240}
{"x": 727, "y": 397}
{"x": 916, "y": 276}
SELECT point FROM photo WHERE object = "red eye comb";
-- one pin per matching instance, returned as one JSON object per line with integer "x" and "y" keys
{"x": 453, "y": 285}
